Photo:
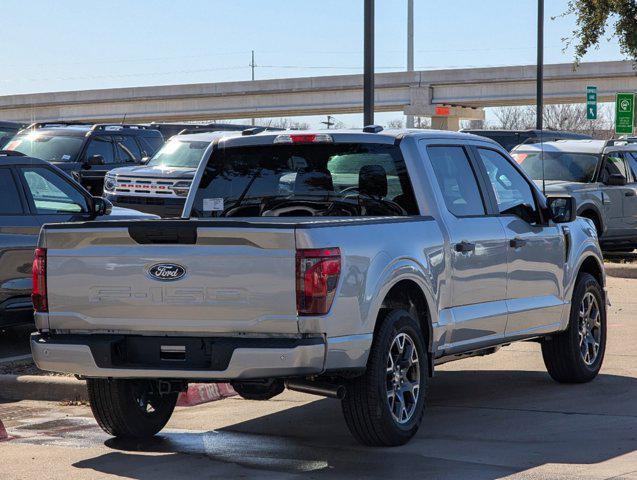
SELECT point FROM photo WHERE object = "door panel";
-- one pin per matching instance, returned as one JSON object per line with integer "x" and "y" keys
{"x": 535, "y": 273}
{"x": 477, "y": 252}
{"x": 615, "y": 197}
{"x": 535, "y": 252}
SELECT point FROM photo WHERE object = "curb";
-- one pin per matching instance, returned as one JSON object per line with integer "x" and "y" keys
{"x": 621, "y": 270}
{"x": 53, "y": 388}
{"x": 41, "y": 387}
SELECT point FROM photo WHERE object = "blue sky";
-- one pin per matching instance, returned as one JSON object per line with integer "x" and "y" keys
{"x": 73, "y": 44}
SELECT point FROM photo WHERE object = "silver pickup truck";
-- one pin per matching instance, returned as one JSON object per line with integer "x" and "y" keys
{"x": 346, "y": 264}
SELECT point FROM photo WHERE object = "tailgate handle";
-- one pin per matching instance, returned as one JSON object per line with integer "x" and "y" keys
{"x": 163, "y": 233}
{"x": 173, "y": 353}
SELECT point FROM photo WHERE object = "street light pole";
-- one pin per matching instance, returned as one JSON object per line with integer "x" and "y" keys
{"x": 410, "y": 48}
{"x": 539, "y": 110}
{"x": 368, "y": 69}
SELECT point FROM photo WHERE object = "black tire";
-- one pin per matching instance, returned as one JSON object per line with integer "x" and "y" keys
{"x": 259, "y": 390}
{"x": 366, "y": 406}
{"x": 562, "y": 353}
{"x": 130, "y": 408}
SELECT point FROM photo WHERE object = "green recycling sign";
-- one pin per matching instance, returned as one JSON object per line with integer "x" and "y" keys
{"x": 624, "y": 113}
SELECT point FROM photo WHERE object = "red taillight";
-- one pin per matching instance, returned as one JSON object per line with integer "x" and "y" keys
{"x": 317, "y": 272}
{"x": 38, "y": 294}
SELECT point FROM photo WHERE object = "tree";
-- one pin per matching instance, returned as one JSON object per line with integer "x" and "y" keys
{"x": 515, "y": 118}
{"x": 396, "y": 123}
{"x": 568, "y": 117}
{"x": 593, "y": 17}
{"x": 287, "y": 124}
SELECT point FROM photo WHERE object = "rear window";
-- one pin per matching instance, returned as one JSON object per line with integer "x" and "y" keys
{"x": 305, "y": 180}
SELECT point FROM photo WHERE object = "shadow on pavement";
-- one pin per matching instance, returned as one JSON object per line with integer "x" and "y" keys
{"x": 479, "y": 425}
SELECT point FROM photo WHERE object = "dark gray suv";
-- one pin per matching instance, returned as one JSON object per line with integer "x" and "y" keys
{"x": 87, "y": 152}
{"x": 32, "y": 193}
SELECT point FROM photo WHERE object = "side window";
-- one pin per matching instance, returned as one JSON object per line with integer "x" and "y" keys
{"x": 150, "y": 145}
{"x": 510, "y": 187}
{"x": 101, "y": 146}
{"x": 127, "y": 149}
{"x": 10, "y": 203}
{"x": 457, "y": 180}
{"x": 614, "y": 164}
{"x": 51, "y": 193}
{"x": 632, "y": 164}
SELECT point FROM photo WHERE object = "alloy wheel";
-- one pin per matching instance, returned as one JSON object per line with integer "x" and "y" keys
{"x": 403, "y": 378}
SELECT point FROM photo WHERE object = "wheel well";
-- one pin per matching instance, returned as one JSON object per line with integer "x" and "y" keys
{"x": 590, "y": 265}
{"x": 594, "y": 216}
{"x": 407, "y": 295}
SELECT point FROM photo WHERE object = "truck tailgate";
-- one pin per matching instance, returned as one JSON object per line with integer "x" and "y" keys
{"x": 168, "y": 277}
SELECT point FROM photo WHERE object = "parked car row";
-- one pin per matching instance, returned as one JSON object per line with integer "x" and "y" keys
{"x": 344, "y": 264}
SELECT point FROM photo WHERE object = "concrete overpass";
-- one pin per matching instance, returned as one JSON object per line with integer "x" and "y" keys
{"x": 445, "y": 95}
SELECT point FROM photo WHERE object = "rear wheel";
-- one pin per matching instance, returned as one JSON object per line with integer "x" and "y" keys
{"x": 576, "y": 355}
{"x": 384, "y": 407}
{"x": 130, "y": 408}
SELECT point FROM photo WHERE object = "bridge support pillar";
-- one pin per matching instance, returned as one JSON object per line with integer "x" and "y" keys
{"x": 445, "y": 123}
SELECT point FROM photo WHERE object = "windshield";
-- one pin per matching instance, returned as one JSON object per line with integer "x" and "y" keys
{"x": 564, "y": 166}
{"x": 178, "y": 153}
{"x": 5, "y": 136}
{"x": 305, "y": 180}
{"x": 52, "y": 148}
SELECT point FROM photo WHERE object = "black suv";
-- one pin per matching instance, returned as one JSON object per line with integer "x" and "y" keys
{"x": 87, "y": 152}
{"x": 510, "y": 139}
{"x": 8, "y": 130}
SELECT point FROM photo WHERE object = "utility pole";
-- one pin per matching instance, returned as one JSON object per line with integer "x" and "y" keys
{"x": 368, "y": 69}
{"x": 252, "y": 65}
{"x": 410, "y": 48}
{"x": 539, "y": 109}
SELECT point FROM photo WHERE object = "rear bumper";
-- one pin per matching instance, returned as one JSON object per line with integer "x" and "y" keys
{"x": 164, "y": 207}
{"x": 219, "y": 358}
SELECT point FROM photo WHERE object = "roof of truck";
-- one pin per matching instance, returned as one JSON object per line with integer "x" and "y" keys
{"x": 386, "y": 135}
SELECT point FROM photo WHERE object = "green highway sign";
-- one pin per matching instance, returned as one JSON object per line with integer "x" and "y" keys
{"x": 624, "y": 113}
{"x": 591, "y": 103}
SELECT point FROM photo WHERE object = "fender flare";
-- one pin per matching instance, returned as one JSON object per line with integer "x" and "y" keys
{"x": 399, "y": 270}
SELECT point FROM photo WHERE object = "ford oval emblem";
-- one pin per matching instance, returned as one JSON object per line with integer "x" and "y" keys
{"x": 166, "y": 271}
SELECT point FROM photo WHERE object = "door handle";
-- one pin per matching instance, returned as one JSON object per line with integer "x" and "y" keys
{"x": 464, "y": 247}
{"x": 629, "y": 193}
{"x": 517, "y": 242}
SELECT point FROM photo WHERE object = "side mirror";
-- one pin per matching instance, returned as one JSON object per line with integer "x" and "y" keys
{"x": 616, "y": 180}
{"x": 562, "y": 209}
{"x": 101, "y": 206}
{"x": 94, "y": 160}
{"x": 145, "y": 160}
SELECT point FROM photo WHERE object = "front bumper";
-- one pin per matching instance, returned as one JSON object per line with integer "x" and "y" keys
{"x": 164, "y": 207}
{"x": 220, "y": 358}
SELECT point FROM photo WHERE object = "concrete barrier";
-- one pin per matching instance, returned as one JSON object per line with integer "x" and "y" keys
{"x": 199, "y": 393}
{"x": 3, "y": 432}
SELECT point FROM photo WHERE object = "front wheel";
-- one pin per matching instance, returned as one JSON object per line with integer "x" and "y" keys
{"x": 130, "y": 408}
{"x": 576, "y": 354}
{"x": 384, "y": 407}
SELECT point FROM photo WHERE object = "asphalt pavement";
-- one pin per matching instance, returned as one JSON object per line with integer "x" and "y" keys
{"x": 499, "y": 416}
